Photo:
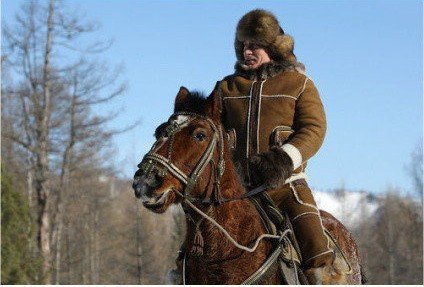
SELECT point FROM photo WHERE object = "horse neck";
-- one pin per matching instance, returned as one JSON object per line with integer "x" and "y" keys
{"x": 240, "y": 218}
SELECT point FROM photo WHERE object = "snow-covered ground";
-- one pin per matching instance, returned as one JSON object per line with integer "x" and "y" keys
{"x": 348, "y": 207}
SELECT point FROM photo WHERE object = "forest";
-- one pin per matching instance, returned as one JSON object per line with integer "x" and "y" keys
{"x": 69, "y": 217}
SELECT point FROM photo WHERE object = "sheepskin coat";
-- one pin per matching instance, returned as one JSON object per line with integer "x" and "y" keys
{"x": 273, "y": 105}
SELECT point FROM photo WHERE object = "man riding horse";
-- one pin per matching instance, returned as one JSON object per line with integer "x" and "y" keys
{"x": 273, "y": 113}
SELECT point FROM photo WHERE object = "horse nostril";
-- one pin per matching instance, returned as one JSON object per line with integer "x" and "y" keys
{"x": 137, "y": 193}
{"x": 134, "y": 184}
{"x": 151, "y": 179}
{"x": 159, "y": 179}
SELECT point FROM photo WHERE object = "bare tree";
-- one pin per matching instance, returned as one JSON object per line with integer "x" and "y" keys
{"x": 391, "y": 241}
{"x": 36, "y": 130}
{"x": 89, "y": 229}
{"x": 51, "y": 120}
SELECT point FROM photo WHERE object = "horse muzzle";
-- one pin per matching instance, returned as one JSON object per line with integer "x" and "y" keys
{"x": 144, "y": 184}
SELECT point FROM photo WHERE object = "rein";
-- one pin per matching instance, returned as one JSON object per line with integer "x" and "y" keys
{"x": 150, "y": 160}
{"x": 225, "y": 232}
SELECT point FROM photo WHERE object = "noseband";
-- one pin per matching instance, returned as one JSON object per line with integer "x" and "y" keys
{"x": 152, "y": 160}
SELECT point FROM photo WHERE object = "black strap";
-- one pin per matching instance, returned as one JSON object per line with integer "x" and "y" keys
{"x": 251, "y": 193}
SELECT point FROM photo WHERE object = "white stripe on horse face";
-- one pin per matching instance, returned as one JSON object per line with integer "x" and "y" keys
{"x": 182, "y": 121}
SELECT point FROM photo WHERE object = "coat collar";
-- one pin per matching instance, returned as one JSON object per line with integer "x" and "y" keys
{"x": 265, "y": 71}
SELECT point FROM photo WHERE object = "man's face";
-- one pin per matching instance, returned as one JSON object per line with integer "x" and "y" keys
{"x": 254, "y": 55}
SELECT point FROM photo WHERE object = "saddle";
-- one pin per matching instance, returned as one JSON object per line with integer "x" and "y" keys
{"x": 289, "y": 257}
{"x": 286, "y": 255}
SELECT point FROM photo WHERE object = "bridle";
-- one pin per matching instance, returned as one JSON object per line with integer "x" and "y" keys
{"x": 153, "y": 160}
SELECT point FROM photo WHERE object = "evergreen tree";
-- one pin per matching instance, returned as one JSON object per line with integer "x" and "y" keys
{"x": 20, "y": 261}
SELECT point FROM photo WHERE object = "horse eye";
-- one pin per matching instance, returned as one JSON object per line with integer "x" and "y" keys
{"x": 200, "y": 136}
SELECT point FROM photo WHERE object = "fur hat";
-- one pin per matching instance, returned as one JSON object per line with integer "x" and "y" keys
{"x": 262, "y": 27}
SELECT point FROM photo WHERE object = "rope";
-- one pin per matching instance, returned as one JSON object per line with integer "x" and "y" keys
{"x": 294, "y": 263}
{"x": 225, "y": 232}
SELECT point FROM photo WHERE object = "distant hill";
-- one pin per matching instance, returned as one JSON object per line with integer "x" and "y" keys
{"x": 347, "y": 206}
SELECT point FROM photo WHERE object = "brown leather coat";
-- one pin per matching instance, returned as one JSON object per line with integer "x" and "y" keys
{"x": 272, "y": 106}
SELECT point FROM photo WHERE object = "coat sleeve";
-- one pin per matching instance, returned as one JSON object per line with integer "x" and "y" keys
{"x": 309, "y": 125}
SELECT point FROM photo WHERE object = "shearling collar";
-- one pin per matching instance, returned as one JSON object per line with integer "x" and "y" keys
{"x": 265, "y": 71}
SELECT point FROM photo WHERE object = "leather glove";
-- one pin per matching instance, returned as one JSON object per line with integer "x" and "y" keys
{"x": 271, "y": 168}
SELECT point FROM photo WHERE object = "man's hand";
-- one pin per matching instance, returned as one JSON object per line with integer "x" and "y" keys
{"x": 271, "y": 168}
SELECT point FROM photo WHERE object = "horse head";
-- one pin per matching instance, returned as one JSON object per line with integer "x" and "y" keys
{"x": 186, "y": 161}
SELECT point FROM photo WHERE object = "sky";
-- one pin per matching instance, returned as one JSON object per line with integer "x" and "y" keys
{"x": 365, "y": 57}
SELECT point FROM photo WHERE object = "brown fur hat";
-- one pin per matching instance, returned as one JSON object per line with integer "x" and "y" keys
{"x": 262, "y": 27}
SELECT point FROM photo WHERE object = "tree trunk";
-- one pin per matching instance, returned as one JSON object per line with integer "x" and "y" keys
{"x": 94, "y": 247}
{"x": 30, "y": 186}
{"x": 58, "y": 219}
{"x": 68, "y": 254}
{"x": 390, "y": 251}
{"x": 44, "y": 241}
{"x": 42, "y": 187}
{"x": 63, "y": 187}
{"x": 139, "y": 244}
{"x": 58, "y": 252}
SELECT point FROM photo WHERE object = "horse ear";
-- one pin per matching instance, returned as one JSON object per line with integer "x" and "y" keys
{"x": 215, "y": 104}
{"x": 181, "y": 97}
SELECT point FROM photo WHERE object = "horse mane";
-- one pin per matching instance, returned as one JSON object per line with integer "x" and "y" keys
{"x": 195, "y": 102}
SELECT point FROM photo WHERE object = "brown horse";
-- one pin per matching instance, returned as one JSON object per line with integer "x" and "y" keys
{"x": 190, "y": 163}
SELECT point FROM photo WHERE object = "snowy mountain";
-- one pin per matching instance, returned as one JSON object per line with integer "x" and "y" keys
{"x": 348, "y": 207}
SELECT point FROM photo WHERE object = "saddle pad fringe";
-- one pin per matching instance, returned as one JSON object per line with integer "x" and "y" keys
{"x": 347, "y": 270}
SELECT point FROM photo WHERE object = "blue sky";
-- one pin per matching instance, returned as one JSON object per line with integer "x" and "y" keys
{"x": 364, "y": 57}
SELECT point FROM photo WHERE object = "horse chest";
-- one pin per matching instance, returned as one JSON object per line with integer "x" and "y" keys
{"x": 231, "y": 271}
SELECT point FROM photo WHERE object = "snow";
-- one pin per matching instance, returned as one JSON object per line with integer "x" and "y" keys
{"x": 348, "y": 207}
